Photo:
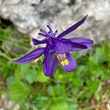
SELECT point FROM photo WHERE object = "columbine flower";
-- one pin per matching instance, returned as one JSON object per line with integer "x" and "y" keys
{"x": 57, "y": 49}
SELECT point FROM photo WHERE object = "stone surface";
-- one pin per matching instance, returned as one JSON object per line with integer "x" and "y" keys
{"x": 11, "y": 2}
{"x": 31, "y": 15}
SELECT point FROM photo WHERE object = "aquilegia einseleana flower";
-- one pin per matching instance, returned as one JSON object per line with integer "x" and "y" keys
{"x": 57, "y": 49}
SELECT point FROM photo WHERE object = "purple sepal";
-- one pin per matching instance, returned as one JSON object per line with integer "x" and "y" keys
{"x": 81, "y": 40}
{"x": 61, "y": 47}
{"x": 65, "y": 46}
{"x": 37, "y": 42}
{"x": 30, "y": 56}
{"x": 72, "y": 28}
{"x": 50, "y": 64}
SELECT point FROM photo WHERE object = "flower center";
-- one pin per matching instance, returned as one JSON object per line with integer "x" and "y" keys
{"x": 62, "y": 58}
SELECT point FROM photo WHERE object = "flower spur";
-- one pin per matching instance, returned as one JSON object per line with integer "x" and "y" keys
{"x": 57, "y": 49}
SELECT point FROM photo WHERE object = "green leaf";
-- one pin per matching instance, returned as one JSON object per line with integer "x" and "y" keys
{"x": 75, "y": 54}
{"x": 91, "y": 61}
{"x": 99, "y": 56}
{"x": 18, "y": 91}
{"x": 50, "y": 90}
{"x": 106, "y": 47}
{"x": 10, "y": 80}
{"x": 93, "y": 85}
{"x": 31, "y": 77}
{"x": 72, "y": 105}
{"x": 75, "y": 89}
{"x": 41, "y": 77}
{"x": 60, "y": 105}
{"x": 97, "y": 96}
{"x": 22, "y": 70}
{"x": 0, "y": 90}
{"x": 77, "y": 82}
{"x": 57, "y": 90}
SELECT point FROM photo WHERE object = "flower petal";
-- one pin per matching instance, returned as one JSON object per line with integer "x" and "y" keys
{"x": 81, "y": 40}
{"x": 47, "y": 49}
{"x": 77, "y": 46}
{"x": 65, "y": 46}
{"x": 37, "y": 42}
{"x": 61, "y": 46}
{"x": 71, "y": 65}
{"x": 50, "y": 64}
{"x": 30, "y": 56}
{"x": 72, "y": 28}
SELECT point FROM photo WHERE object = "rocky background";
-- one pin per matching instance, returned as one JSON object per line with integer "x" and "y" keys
{"x": 31, "y": 15}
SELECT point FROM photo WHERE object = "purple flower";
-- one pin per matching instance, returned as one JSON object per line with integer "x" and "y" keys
{"x": 57, "y": 49}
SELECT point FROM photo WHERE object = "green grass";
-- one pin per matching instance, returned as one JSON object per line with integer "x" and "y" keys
{"x": 26, "y": 83}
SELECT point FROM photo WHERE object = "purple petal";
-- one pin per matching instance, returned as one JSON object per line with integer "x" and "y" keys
{"x": 71, "y": 65}
{"x": 47, "y": 49}
{"x": 37, "y": 42}
{"x": 50, "y": 64}
{"x": 61, "y": 47}
{"x": 81, "y": 40}
{"x": 30, "y": 56}
{"x": 75, "y": 46}
{"x": 65, "y": 46}
{"x": 72, "y": 28}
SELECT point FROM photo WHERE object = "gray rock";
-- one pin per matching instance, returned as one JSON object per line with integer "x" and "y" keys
{"x": 11, "y": 2}
{"x": 31, "y": 15}
{"x": 0, "y": 2}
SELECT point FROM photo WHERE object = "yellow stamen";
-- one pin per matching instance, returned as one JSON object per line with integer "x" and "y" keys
{"x": 62, "y": 58}
{"x": 64, "y": 62}
{"x": 58, "y": 56}
{"x": 64, "y": 55}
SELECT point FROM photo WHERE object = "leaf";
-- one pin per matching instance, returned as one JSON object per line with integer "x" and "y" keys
{"x": 72, "y": 105}
{"x": 10, "y": 80}
{"x": 75, "y": 54}
{"x": 60, "y": 105}
{"x": 57, "y": 90}
{"x": 50, "y": 90}
{"x": 0, "y": 90}
{"x": 22, "y": 70}
{"x": 18, "y": 91}
{"x": 91, "y": 61}
{"x": 41, "y": 77}
{"x": 77, "y": 82}
{"x": 106, "y": 47}
{"x": 31, "y": 77}
{"x": 93, "y": 85}
{"x": 75, "y": 90}
{"x": 97, "y": 96}
{"x": 99, "y": 56}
